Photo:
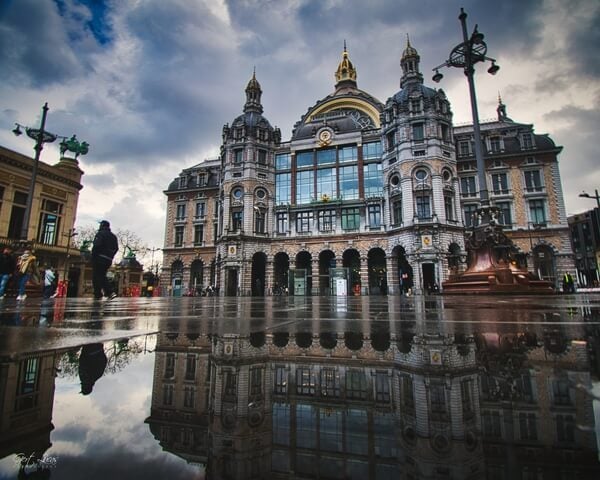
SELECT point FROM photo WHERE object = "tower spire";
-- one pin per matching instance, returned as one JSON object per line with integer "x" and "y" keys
{"x": 345, "y": 75}
{"x": 410, "y": 65}
{"x": 253, "y": 94}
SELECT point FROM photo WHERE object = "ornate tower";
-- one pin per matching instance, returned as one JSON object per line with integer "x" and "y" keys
{"x": 420, "y": 178}
{"x": 247, "y": 156}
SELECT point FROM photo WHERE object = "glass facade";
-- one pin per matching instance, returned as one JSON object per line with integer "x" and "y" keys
{"x": 373, "y": 180}
{"x": 283, "y": 188}
{"x": 349, "y": 182}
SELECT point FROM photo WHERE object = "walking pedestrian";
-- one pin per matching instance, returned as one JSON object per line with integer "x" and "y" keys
{"x": 49, "y": 278}
{"x": 103, "y": 251}
{"x": 26, "y": 268}
{"x": 7, "y": 268}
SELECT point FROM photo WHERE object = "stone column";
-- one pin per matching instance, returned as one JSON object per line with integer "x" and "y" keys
{"x": 364, "y": 276}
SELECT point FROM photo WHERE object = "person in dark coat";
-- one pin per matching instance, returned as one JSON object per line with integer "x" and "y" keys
{"x": 103, "y": 251}
{"x": 92, "y": 362}
{"x": 8, "y": 264}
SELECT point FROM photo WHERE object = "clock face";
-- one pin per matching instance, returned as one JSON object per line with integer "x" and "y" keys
{"x": 325, "y": 135}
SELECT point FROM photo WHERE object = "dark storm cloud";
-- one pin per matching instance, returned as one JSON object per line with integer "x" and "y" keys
{"x": 34, "y": 44}
{"x": 100, "y": 181}
{"x": 583, "y": 41}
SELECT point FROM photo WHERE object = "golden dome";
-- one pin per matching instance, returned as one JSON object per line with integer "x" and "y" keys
{"x": 345, "y": 70}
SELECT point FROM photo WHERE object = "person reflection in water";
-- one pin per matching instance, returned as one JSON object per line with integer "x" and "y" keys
{"x": 92, "y": 362}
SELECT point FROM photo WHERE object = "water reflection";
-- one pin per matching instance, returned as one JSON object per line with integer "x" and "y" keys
{"x": 423, "y": 398}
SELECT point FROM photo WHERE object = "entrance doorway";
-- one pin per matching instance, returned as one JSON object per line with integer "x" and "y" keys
{"x": 429, "y": 282}
{"x": 231, "y": 285}
{"x": 259, "y": 262}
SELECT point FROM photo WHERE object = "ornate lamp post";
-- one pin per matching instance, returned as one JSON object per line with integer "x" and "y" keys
{"x": 492, "y": 266}
{"x": 41, "y": 136}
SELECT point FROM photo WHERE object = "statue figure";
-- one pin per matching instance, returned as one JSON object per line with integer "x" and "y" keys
{"x": 75, "y": 146}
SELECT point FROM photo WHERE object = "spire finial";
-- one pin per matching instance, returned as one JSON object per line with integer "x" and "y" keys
{"x": 407, "y": 40}
{"x": 499, "y": 98}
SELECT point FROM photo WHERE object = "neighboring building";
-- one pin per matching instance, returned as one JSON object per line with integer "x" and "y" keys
{"x": 524, "y": 182}
{"x": 365, "y": 197}
{"x": 53, "y": 211}
{"x": 585, "y": 239}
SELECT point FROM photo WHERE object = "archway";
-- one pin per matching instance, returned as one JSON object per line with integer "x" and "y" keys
{"x": 405, "y": 271}
{"x": 259, "y": 263}
{"x": 326, "y": 261}
{"x": 351, "y": 261}
{"x": 304, "y": 262}
{"x": 281, "y": 267}
{"x": 231, "y": 282}
{"x": 177, "y": 277}
{"x": 377, "y": 271}
{"x": 544, "y": 263}
{"x": 196, "y": 277}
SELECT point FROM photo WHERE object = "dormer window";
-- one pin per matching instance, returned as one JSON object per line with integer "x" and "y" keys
{"x": 527, "y": 141}
{"x": 182, "y": 182}
{"x": 495, "y": 145}
{"x": 415, "y": 105}
{"x": 418, "y": 130}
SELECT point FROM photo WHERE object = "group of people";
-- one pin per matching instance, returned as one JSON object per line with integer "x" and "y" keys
{"x": 21, "y": 269}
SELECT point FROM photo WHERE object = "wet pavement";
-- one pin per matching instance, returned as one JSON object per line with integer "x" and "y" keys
{"x": 282, "y": 387}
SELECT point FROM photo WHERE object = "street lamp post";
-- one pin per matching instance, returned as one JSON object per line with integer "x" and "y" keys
{"x": 492, "y": 265}
{"x": 596, "y": 196}
{"x": 41, "y": 136}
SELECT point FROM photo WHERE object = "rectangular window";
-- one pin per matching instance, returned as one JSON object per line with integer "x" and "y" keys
{"x": 283, "y": 161}
{"x": 382, "y": 387}
{"x": 326, "y": 220}
{"x": 326, "y": 156}
{"x": 178, "y": 240}
{"x": 183, "y": 182}
{"x": 304, "y": 159}
{"x": 505, "y": 212}
{"x": 406, "y": 391}
{"x": 256, "y": 382}
{"x": 373, "y": 180}
{"x": 262, "y": 157}
{"x": 449, "y": 207}
{"x": 282, "y": 222}
{"x": 397, "y": 212}
{"x": 304, "y": 187}
{"x": 189, "y": 397}
{"x": 198, "y": 234}
{"x": 281, "y": 380}
{"x": 229, "y": 386}
{"x": 348, "y": 154}
{"x": 200, "y": 210}
{"x": 499, "y": 183}
{"x": 326, "y": 184}
{"x": 445, "y": 131}
{"x": 423, "y": 206}
{"x": 168, "y": 394}
{"x": 49, "y": 222}
{"x": 237, "y": 217}
{"x": 303, "y": 222}
{"x": 527, "y": 141}
{"x": 391, "y": 139}
{"x": 437, "y": 398}
{"x": 418, "y": 132}
{"x": 372, "y": 150}
{"x": 170, "y": 365}
{"x": 356, "y": 384}
{"x": 533, "y": 181}
{"x": 238, "y": 156}
{"x": 469, "y": 215}
{"x": 180, "y": 212}
{"x": 463, "y": 149}
{"x": 494, "y": 144}
{"x": 537, "y": 212}
{"x": 330, "y": 382}
{"x": 190, "y": 367}
{"x": 415, "y": 105}
{"x": 202, "y": 179}
{"x": 283, "y": 188}
{"x": 374, "y": 216}
{"x": 350, "y": 218}
{"x": 467, "y": 187}
{"x": 561, "y": 392}
{"x": 527, "y": 426}
{"x": 306, "y": 437}
{"x": 349, "y": 182}
{"x": 565, "y": 428}
{"x": 305, "y": 381}
{"x": 491, "y": 424}
{"x": 259, "y": 220}
{"x": 281, "y": 425}
{"x": 467, "y": 398}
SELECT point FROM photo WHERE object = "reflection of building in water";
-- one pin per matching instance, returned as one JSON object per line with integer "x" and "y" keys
{"x": 417, "y": 399}
{"x": 26, "y": 399}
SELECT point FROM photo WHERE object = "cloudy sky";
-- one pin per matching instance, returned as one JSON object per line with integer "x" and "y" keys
{"x": 150, "y": 83}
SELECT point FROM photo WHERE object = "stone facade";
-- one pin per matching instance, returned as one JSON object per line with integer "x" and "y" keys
{"x": 365, "y": 198}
